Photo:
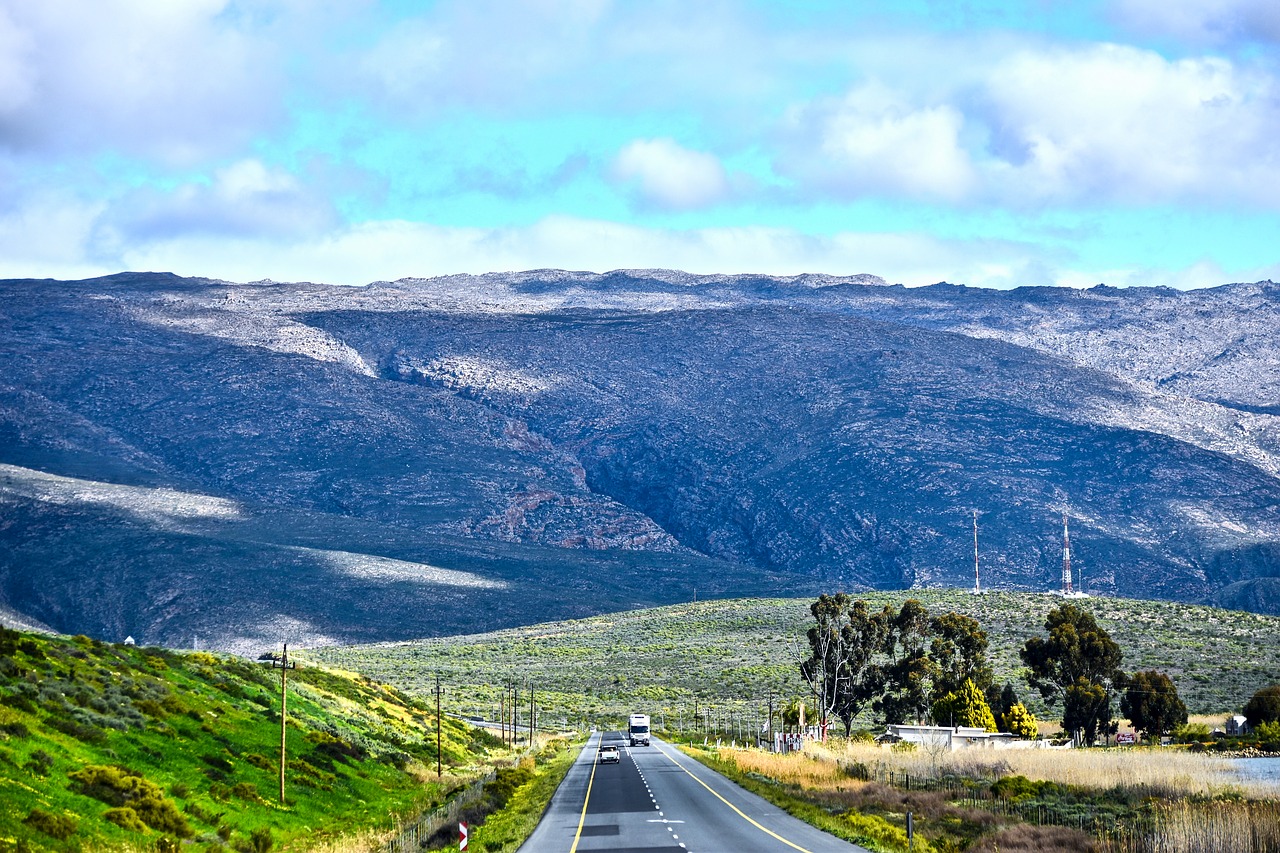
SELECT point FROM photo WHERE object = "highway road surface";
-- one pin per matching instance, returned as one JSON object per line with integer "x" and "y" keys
{"x": 658, "y": 800}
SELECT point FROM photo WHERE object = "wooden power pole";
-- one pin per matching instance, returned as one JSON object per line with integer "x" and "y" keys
{"x": 437, "y": 726}
{"x": 282, "y": 661}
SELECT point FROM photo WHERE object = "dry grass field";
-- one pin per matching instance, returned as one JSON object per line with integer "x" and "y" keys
{"x": 1179, "y": 802}
{"x": 1171, "y": 773}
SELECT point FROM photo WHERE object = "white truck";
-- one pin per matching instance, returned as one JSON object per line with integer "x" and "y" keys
{"x": 638, "y": 729}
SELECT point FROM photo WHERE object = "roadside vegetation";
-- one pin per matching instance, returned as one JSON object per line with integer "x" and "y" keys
{"x": 908, "y": 665}
{"x": 121, "y": 747}
{"x": 1109, "y": 801}
{"x": 527, "y": 793}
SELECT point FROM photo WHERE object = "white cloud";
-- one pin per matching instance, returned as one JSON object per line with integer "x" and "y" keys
{"x": 669, "y": 176}
{"x": 476, "y": 53}
{"x": 532, "y": 57}
{"x": 875, "y": 141}
{"x": 62, "y": 244}
{"x": 169, "y": 80}
{"x": 1203, "y": 273}
{"x": 1203, "y": 21}
{"x": 17, "y": 85}
{"x": 246, "y": 198}
{"x": 47, "y": 235}
{"x": 1117, "y": 123}
{"x": 1023, "y": 127}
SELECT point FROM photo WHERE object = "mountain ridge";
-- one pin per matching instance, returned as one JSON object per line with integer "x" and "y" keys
{"x": 778, "y": 434}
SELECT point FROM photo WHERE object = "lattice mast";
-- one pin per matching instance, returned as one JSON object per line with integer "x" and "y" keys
{"x": 1066, "y": 557}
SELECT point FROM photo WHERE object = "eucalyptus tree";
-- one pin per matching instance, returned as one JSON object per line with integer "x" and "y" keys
{"x": 1263, "y": 706}
{"x": 909, "y": 672}
{"x": 1077, "y": 664}
{"x": 844, "y": 643}
{"x": 959, "y": 654}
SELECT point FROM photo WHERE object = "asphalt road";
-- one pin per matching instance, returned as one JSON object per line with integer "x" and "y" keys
{"x": 657, "y": 800}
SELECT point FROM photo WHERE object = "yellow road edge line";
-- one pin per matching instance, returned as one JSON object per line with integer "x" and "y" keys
{"x": 583, "y": 819}
{"x": 730, "y": 805}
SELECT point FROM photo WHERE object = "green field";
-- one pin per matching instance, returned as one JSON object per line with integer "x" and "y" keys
{"x": 734, "y": 655}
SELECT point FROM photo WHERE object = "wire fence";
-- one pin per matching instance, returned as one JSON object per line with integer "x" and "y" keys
{"x": 411, "y": 836}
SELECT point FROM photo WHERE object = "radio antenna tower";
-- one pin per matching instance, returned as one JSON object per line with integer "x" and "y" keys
{"x": 977, "y": 586}
{"x": 1066, "y": 557}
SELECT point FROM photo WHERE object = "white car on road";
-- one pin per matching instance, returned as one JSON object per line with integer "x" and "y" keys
{"x": 609, "y": 754}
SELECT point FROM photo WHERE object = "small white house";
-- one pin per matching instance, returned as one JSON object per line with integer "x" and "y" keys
{"x": 1236, "y": 726}
{"x": 956, "y": 738}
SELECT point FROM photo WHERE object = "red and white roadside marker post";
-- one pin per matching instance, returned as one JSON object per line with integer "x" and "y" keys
{"x": 462, "y": 836}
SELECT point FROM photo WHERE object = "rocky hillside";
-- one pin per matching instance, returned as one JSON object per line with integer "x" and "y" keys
{"x": 186, "y": 457}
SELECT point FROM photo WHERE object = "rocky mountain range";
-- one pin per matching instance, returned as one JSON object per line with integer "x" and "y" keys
{"x": 197, "y": 461}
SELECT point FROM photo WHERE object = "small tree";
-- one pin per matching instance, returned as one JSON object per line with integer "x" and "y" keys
{"x": 1151, "y": 703}
{"x": 1264, "y": 707}
{"x": 1019, "y": 721}
{"x": 791, "y": 714}
{"x": 965, "y": 707}
{"x": 1001, "y": 700}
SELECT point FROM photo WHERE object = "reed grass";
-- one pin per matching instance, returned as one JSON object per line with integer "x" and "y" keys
{"x": 1207, "y": 807}
{"x": 1164, "y": 772}
{"x": 1218, "y": 827}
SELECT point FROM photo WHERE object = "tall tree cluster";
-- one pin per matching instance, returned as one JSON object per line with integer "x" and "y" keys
{"x": 907, "y": 665}
{"x": 901, "y": 662}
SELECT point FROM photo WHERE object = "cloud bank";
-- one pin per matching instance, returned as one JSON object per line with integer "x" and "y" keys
{"x": 1132, "y": 141}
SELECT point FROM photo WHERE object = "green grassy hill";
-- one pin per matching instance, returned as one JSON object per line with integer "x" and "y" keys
{"x": 738, "y": 653}
{"x": 124, "y": 747}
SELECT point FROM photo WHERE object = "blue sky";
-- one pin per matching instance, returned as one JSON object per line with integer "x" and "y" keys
{"x": 1131, "y": 142}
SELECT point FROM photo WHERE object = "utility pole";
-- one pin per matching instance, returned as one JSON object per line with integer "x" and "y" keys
{"x": 437, "y": 725}
{"x": 282, "y": 661}
{"x": 531, "y": 714}
{"x": 977, "y": 587}
{"x": 515, "y": 714}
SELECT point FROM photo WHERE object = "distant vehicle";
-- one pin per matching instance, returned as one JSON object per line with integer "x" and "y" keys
{"x": 609, "y": 754}
{"x": 638, "y": 729}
